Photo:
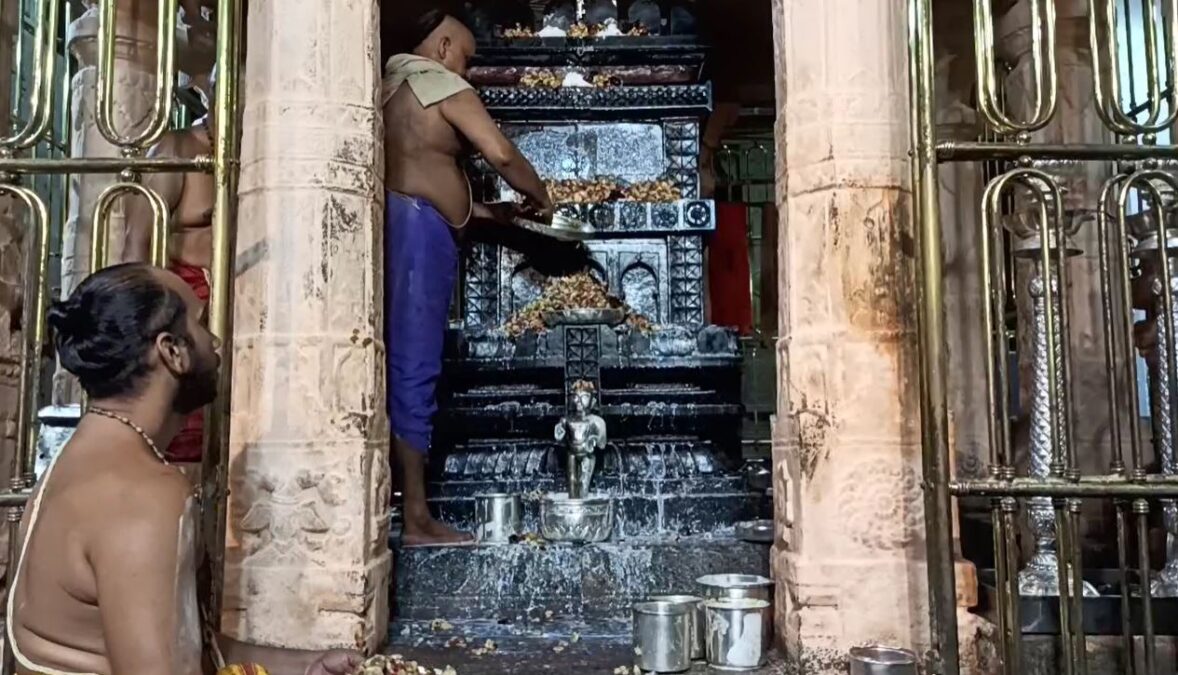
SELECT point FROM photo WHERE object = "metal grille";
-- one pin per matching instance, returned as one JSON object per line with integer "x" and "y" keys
{"x": 34, "y": 169}
{"x": 1026, "y": 210}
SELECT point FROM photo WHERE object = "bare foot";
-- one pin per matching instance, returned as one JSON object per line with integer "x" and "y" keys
{"x": 429, "y": 532}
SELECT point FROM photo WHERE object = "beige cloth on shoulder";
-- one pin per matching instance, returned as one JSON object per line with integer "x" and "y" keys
{"x": 429, "y": 80}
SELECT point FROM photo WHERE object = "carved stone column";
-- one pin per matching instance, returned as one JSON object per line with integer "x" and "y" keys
{"x": 307, "y": 562}
{"x": 849, "y": 562}
{"x": 1076, "y": 121}
{"x": 133, "y": 96}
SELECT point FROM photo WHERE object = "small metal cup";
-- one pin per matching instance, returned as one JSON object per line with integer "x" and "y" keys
{"x": 497, "y": 518}
{"x": 697, "y": 620}
{"x": 738, "y": 633}
{"x": 662, "y": 636}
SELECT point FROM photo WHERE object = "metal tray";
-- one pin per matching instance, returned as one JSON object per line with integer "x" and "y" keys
{"x": 562, "y": 228}
{"x": 609, "y": 316}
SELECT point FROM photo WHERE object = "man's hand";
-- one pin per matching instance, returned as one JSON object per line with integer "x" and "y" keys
{"x": 542, "y": 211}
{"x": 336, "y": 662}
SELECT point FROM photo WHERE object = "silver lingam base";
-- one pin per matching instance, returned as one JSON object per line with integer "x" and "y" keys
{"x": 1041, "y": 577}
{"x": 588, "y": 520}
{"x": 1165, "y": 584}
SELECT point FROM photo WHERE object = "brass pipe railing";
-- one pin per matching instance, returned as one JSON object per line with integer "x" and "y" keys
{"x": 129, "y": 169}
{"x": 931, "y": 322}
{"x": 36, "y": 283}
{"x": 1028, "y": 181}
{"x": 44, "y": 66}
{"x": 225, "y": 153}
{"x": 165, "y": 67}
{"x": 92, "y": 165}
{"x": 103, "y": 206}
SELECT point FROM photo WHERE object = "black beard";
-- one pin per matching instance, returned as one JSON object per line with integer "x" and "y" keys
{"x": 197, "y": 389}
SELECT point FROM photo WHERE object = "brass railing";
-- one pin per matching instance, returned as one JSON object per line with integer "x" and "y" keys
{"x": 1134, "y": 220}
{"x": 129, "y": 167}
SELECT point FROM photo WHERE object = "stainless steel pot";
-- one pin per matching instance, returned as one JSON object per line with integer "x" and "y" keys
{"x": 497, "y": 518}
{"x": 735, "y": 586}
{"x": 697, "y": 618}
{"x": 576, "y": 520}
{"x": 738, "y": 633}
{"x": 662, "y": 636}
{"x": 877, "y": 660}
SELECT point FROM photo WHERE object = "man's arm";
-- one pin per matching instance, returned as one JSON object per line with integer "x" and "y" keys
{"x": 169, "y": 186}
{"x": 466, "y": 113}
{"x": 135, "y": 565}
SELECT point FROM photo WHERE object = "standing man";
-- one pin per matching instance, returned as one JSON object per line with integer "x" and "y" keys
{"x": 189, "y": 197}
{"x": 432, "y": 117}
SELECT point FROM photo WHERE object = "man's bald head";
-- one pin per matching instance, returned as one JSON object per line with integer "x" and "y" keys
{"x": 435, "y": 33}
{"x": 450, "y": 44}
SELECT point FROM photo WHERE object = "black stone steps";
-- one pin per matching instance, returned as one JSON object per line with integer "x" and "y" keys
{"x": 590, "y": 583}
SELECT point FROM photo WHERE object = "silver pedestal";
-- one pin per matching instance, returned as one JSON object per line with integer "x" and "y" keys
{"x": 1040, "y": 577}
{"x": 1165, "y": 585}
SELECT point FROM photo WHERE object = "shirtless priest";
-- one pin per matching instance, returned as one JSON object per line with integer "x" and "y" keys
{"x": 106, "y": 580}
{"x": 189, "y": 197}
{"x": 432, "y": 117}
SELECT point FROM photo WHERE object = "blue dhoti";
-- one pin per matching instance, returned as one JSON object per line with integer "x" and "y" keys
{"x": 421, "y": 266}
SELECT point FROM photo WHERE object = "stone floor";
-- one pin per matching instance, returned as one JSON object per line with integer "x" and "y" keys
{"x": 583, "y": 659}
{"x": 545, "y": 646}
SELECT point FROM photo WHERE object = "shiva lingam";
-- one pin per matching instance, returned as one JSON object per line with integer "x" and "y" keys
{"x": 576, "y": 516}
{"x": 583, "y": 433}
{"x": 1050, "y": 419}
{"x": 1162, "y": 378}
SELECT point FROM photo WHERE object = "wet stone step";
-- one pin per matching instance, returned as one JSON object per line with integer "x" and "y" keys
{"x": 635, "y": 516}
{"x": 591, "y": 583}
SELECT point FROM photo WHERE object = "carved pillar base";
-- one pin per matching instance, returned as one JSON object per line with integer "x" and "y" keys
{"x": 307, "y": 561}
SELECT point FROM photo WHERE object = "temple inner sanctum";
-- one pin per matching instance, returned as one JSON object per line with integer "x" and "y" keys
{"x": 841, "y": 341}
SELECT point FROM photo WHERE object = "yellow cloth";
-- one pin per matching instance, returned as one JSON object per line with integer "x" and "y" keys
{"x": 430, "y": 81}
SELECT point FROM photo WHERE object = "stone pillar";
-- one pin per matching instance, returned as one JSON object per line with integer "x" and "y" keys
{"x": 307, "y": 561}
{"x": 133, "y": 96}
{"x": 849, "y": 563}
{"x": 1075, "y": 121}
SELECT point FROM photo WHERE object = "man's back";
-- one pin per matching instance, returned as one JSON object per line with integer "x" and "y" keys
{"x": 90, "y": 512}
{"x": 422, "y": 155}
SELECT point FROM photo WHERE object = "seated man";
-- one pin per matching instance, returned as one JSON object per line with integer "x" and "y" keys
{"x": 106, "y": 579}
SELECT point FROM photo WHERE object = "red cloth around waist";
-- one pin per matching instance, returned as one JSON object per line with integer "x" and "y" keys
{"x": 728, "y": 269}
{"x": 188, "y": 446}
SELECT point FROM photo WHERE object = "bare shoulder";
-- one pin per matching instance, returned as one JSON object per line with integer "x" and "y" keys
{"x": 464, "y": 102}
{"x": 175, "y": 143}
{"x": 143, "y": 499}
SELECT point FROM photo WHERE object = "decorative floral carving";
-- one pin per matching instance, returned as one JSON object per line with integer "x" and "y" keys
{"x": 880, "y": 504}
